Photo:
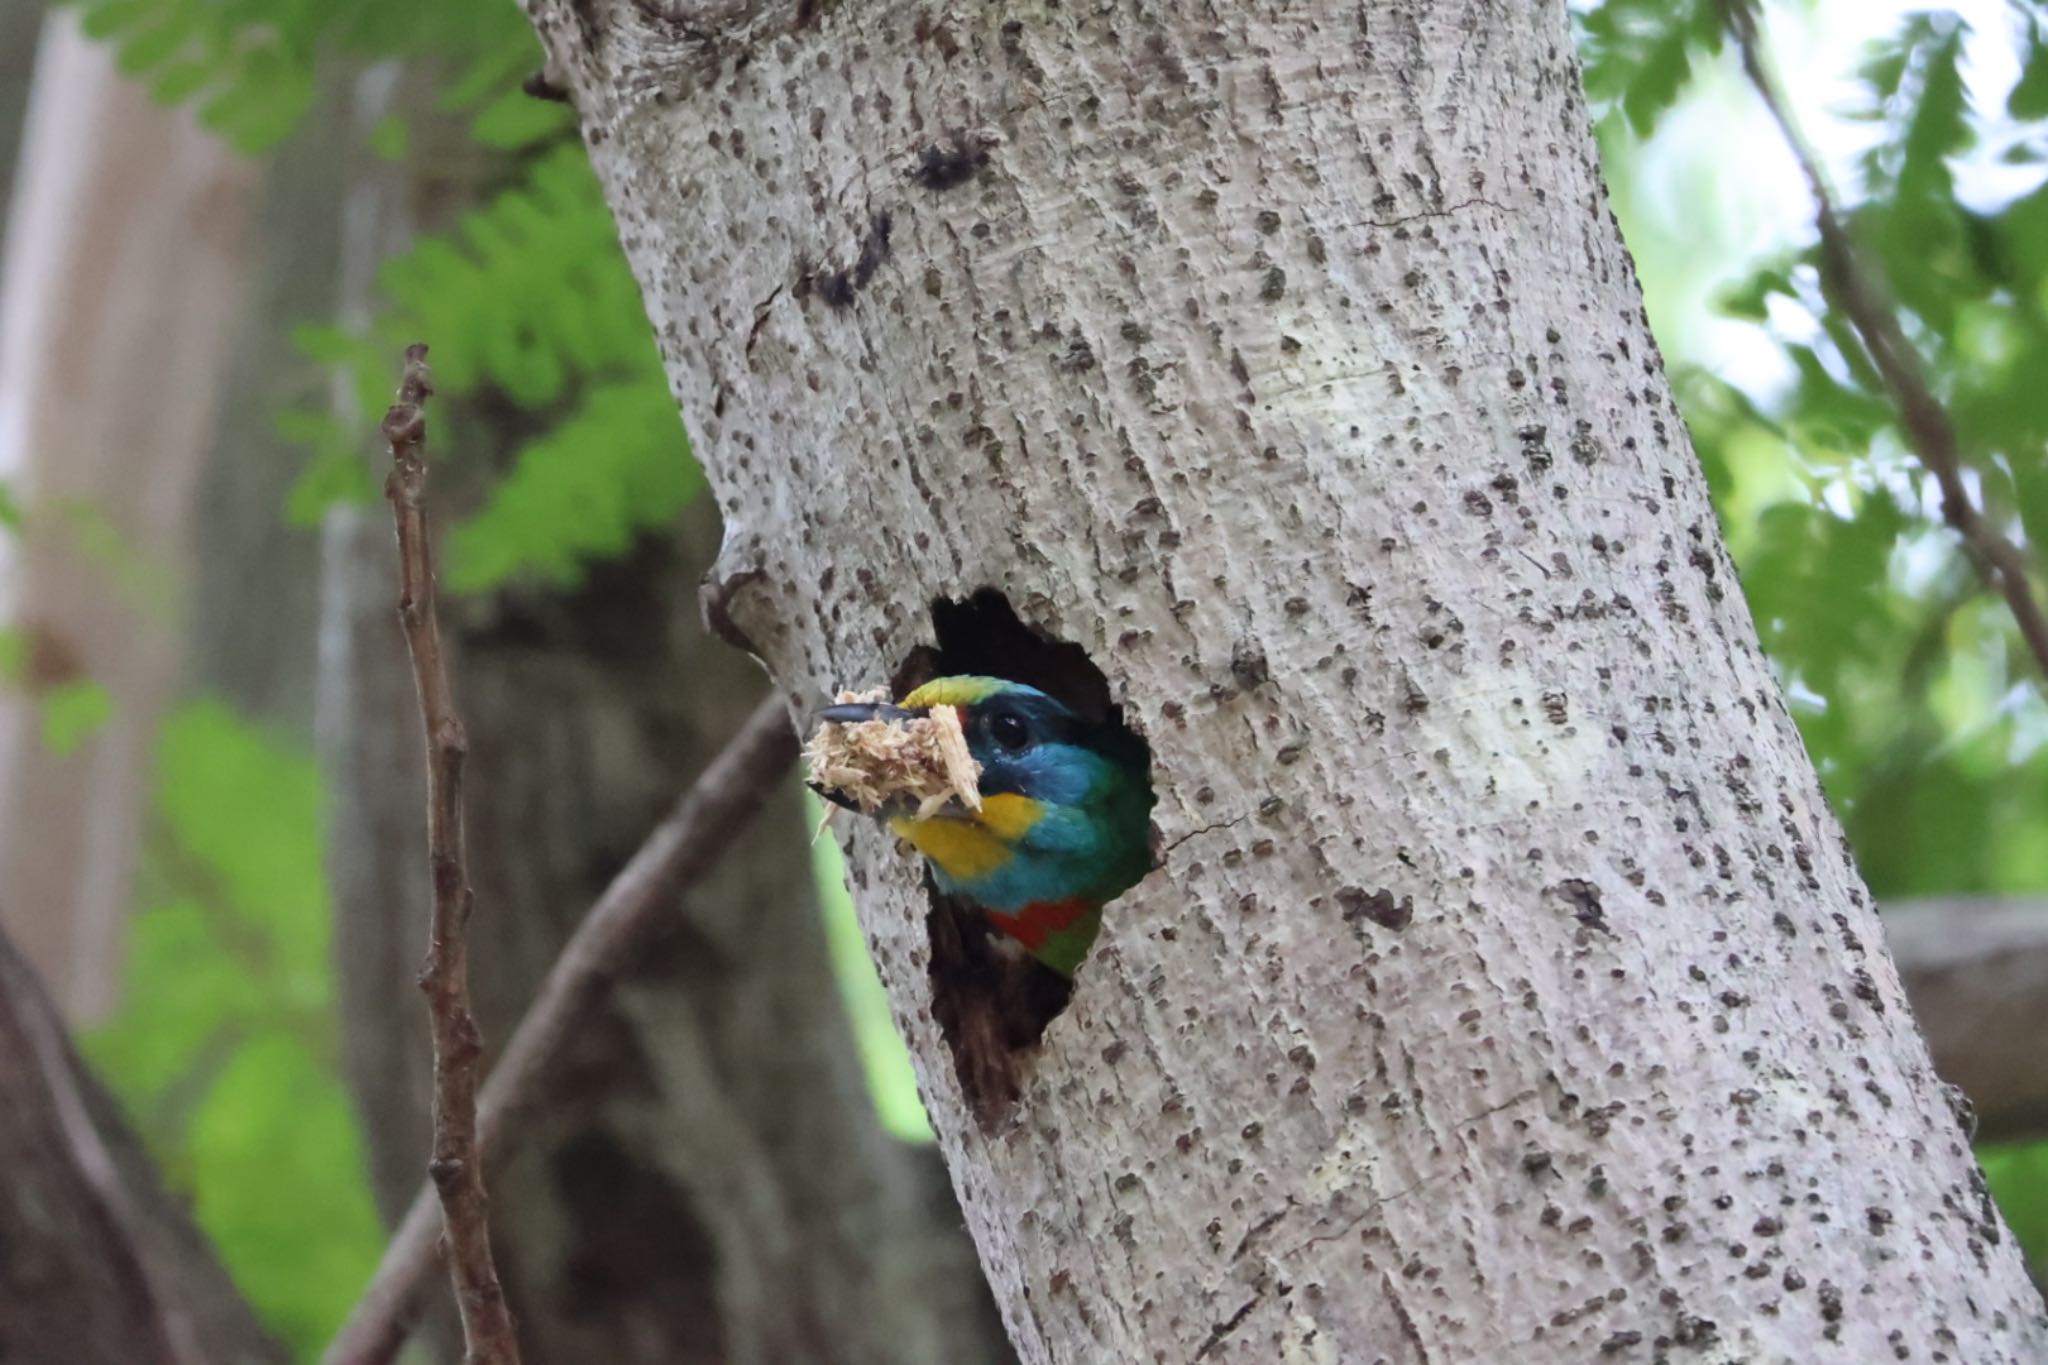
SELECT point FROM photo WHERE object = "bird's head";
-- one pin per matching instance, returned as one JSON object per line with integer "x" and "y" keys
{"x": 1065, "y": 802}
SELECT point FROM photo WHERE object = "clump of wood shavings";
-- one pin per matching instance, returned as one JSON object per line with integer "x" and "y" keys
{"x": 876, "y": 763}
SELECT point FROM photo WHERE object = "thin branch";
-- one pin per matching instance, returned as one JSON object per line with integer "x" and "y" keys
{"x": 456, "y": 1168}
{"x": 1861, "y": 298}
{"x": 693, "y": 837}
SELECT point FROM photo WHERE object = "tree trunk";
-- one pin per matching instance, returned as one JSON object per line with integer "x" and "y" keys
{"x": 705, "y": 1180}
{"x": 1506, "y": 992}
{"x": 20, "y": 22}
{"x": 98, "y": 1266}
{"x": 122, "y": 295}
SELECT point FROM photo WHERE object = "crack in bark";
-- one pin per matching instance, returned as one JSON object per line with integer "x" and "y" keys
{"x": 1362, "y": 1215}
{"x": 1493, "y": 1109}
{"x": 1259, "y": 1229}
{"x": 1477, "y": 201}
{"x": 761, "y": 318}
{"x": 1205, "y": 829}
{"x": 1225, "y": 1328}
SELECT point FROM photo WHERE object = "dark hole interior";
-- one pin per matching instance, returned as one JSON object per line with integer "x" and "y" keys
{"x": 993, "y": 1002}
{"x": 983, "y": 635}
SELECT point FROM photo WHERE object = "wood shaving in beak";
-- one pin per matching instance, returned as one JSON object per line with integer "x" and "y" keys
{"x": 876, "y": 763}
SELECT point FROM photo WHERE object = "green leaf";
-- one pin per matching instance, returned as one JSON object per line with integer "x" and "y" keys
{"x": 267, "y": 1144}
{"x": 225, "y": 1047}
{"x": 1638, "y": 55}
{"x": 2018, "y": 1177}
{"x": 10, "y": 509}
{"x": 882, "y": 1053}
{"x": 514, "y": 120}
{"x": 1750, "y": 296}
{"x": 254, "y": 63}
{"x": 337, "y": 476}
{"x": 72, "y": 713}
{"x": 620, "y": 466}
{"x": 2029, "y": 98}
{"x": 389, "y": 138}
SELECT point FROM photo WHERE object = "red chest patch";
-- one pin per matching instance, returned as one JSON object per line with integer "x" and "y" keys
{"x": 1037, "y": 922}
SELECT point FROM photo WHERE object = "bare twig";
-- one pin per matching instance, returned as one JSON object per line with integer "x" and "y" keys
{"x": 456, "y": 1168}
{"x": 1861, "y": 298}
{"x": 693, "y": 837}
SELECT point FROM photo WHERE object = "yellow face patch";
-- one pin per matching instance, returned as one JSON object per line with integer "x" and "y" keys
{"x": 960, "y": 691}
{"x": 968, "y": 849}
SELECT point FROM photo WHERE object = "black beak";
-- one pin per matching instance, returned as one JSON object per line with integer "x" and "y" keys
{"x": 854, "y": 712}
{"x": 834, "y": 797}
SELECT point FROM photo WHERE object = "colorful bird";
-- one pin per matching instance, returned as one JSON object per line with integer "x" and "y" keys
{"x": 1065, "y": 812}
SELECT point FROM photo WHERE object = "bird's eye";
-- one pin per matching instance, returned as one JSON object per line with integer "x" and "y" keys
{"x": 1010, "y": 732}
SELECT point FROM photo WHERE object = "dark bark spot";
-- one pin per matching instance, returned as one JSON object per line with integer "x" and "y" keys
{"x": 948, "y": 163}
{"x": 1582, "y": 898}
{"x": 1378, "y": 906}
{"x": 837, "y": 287}
{"x": 1248, "y": 665}
{"x": 937, "y": 34}
{"x": 874, "y": 249}
{"x": 1078, "y": 358}
{"x": 539, "y": 87}
{"x": 587, "y": 23}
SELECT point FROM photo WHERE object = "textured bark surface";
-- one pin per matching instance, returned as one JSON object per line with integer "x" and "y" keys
{"x": 1507, "y": 992}
{"x": 705, "y": 1179}
{"x": 98, "y": 1266}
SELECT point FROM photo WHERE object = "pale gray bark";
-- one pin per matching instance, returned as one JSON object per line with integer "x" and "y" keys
{"x": 1507, "y": 992}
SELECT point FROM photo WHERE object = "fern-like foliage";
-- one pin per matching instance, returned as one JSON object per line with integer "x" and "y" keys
{"x": 615, "y": 466}
{"x": 224, "y": 1046}
{"x": 250, "y": 65}
{"x": 530, "y": 298}
{"x": 1638, "y": 54}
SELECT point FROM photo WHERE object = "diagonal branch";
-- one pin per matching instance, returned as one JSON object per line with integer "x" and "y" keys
{"x": 684, "y": 846}
{"x": 456, "y": 1168}
{"x": 1861, "y": 298}
{"x": 1976, "y": 972}
{"x": 28, "y": 1020}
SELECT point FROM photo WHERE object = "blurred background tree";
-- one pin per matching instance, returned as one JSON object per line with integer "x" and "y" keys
{"x": 248, "y": 995}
